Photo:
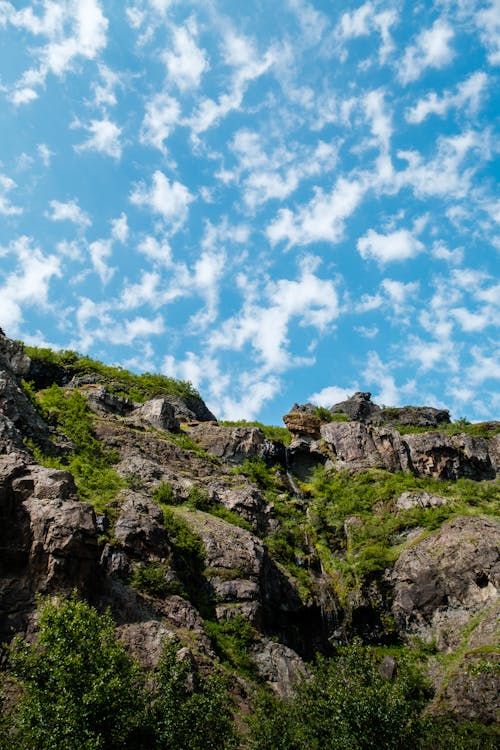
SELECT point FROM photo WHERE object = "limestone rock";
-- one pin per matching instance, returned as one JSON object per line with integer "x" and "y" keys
{"x": 158, "y": 412}
{"x": 235, "y": 445}
{"x": 433, "y": 454}
{"x": 355, "y": 446}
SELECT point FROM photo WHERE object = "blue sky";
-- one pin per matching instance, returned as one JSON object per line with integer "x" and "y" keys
{"x": 279, "y": 201}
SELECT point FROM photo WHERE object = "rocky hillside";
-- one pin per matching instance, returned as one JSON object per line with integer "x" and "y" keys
{"x": 354, "y": 521}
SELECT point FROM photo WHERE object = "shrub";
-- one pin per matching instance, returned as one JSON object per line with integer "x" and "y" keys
{"x": 164, "y": 494}
{"x": 152, "y": 578}
{"x": 79, "y": 687}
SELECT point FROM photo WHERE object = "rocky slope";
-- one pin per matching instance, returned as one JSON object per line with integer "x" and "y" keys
{"x": 395, "y": 539}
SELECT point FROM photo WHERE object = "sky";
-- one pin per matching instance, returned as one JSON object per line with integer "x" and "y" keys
{"x": 278, "y": 201}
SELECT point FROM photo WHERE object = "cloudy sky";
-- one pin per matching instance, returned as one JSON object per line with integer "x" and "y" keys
{"x": 278, "y": 201}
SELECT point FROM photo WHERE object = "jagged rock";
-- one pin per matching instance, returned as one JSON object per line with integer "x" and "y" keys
{"x": 278, "y": 665}
{"x": 494, "y": 451}
{"x": 446, "y": 579}
{"x": 355, "y": 446}
{"x": 302, "y": 423}
{"x": 358, "y": 407}
{"x": 471, "y": 691}
{"x": 245, "y": 500}
{"x": 235, "y": 445}
{"x": 409, "y": 500}
{"x": 303, "y": 454}
{"x": 416, "y": 416}
{"x": 191, "y": 408}
{"x": 102, "y": 400}
{"x": 158, "y": 412}
{"x": 140, "y": 528}
{"x": 146, "y": 640}
{"x": 12, "y": 357}
{"x": 433, "y": 454}
{"x": 48, "y": 539}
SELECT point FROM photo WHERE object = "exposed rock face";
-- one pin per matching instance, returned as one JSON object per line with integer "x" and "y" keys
{"x": 302, "y": 423}
{"x": 160, "y": 413}
{"x": 360, "y": 407}
{"x": 235, "y": 445}
{"x": 102, "y": 400}
{"x": 279, "y": 666}
{"x": 245, "y": 500}
{"x": 443, "y": 581}
{"x": 409, "y": 500}
{"x": 353, "y": 445}
{"x": 436, "y": 455}
{"x": 140, "y": 528}
{"x": 48, "y": 539}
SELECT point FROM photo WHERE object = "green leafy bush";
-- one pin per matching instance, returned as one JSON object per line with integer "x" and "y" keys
{"x": 231, "y": 640}
{"x": 79, "y": 687}
{"x": 152, "y": 578}
{"x": 164, "y": 494}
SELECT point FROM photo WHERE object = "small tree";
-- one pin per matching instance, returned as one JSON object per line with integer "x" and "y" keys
{"x": 80, "y": 689}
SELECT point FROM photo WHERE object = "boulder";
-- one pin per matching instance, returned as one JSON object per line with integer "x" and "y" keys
{"x": 444, "y": 581}
{"x": 434, "y": 454}
{"x": 358, "y": 407}
{"x": 102, "y": 400}
{"x": 159, "y": 413}
{"x": 235, "y": 445}
{"x": 302, "y": 423}
{"x": 410, "y": 500}
{"x": 357, "y": 447}
{"x": 279, "y": 666}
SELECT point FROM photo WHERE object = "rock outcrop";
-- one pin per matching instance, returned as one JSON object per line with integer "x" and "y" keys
{"x": 235, "y": 445}
{"x": 355, "y": 446}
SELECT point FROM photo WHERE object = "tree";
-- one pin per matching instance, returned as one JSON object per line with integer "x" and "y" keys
{"x": 79, "y": 688}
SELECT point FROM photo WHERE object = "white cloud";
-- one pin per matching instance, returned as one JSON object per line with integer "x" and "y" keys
{"x": 322, "y": 219}
{"x": 161, "y": 116}
{"x": 119, "y": 228}
{"x": 399, "y": 293}
{"x": 385, "y": 248}
{"x": 100, "y": 251}
{"x": 467, "y": 96}
{"x": 104, "y": 92}
{"x": 28, "y": 284}
{"x": 169, "y": 199}
{"x": 431, "y": 50}
{"x": 160, "y": 252}
{"x": 6, "y": 207}
{"x": 186, "y": 62}
{"x": 69, "y": 211}
{"x": 332, "y": 394}
{"x": 488, "y": 22}
{"x": 45, "y": 154}
{"x": 104, "y": 138}
{"x": 365, "y": 20}
{"x": 73, "y": 29}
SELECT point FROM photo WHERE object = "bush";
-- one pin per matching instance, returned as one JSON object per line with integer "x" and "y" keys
{"x": 80, "y": 689}
{"x": 152, "y": 578}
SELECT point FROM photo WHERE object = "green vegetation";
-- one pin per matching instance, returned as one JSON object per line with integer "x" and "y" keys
{"x": 152, "y": 578}
{"x": 97, "y": 482}
{"x": 325, "y": 415}
{"x": 231, "y": 641}
{"x": 478, "y": 429}
{"x": 116, "y": 379}
{"x": 272, "y": 432}
{"x": 79, "y": 689}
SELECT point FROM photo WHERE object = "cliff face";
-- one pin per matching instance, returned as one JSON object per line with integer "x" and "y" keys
{"x": 193, "y": 522}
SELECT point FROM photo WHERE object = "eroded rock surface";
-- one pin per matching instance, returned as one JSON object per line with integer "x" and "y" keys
{"x": 353, "y": 445}
{"x": 433, "y": 454}
{"x": 235, "y": 445}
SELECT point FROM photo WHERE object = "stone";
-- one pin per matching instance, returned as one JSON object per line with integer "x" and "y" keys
{"x": 358, "y": 407}
{"x": 235, "y": 445}
{"x": 302, "y": 423}
{"x": 409, "y": 500}
{"x": 358, "y": 447}
{"x": 434, "y": 454}
{"x": 100, "y": 399}
{"x": 279, "y": 666}
{"x": 140, "y": 528}
{"x": 158, "y": 412}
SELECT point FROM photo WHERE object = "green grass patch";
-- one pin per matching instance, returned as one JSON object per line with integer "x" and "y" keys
{"x": 231, "y": 641}
{"x": 272, "y": 432}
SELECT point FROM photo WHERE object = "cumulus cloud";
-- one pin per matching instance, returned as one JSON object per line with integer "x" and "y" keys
{"x": 332, "y": 394}
{"x": 168, "y": 199}
{"x": 69, "y": 211}
{"x": 185, "y": 62}
{"x": 104, "y": 138}
{"x": 431, "y": 50}
{"x": 160, "y": 118}
{"x": 468, "y": 95}
{"x": 366, "y": 20}
{"x": 322, "y": 219}
{"x": 399, "y": 245}
{"x": 73, "y": 30}
{"x": 29, "y": 283}
{"x": 6, "y": 207}
{"x": 488, "y": 22}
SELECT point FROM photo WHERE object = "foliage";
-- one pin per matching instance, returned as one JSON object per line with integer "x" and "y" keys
{"x": 117, "y": 379}
{"x": 325, "y": 415}
{"x": 188, "y": 559}
{"x": 259, "y": 472}
{"x": 152, "y": 578}
{"x": 477, "y": 429}
{"x": 231, "y": 641}
{"x": 272, "y": 432}
{"x": 164, "y": 494}
{"x": 97, "y": 482}
{"x": 346, "y": 705}
{"x": 79, "y": 687}
{"x": 442, "y": 733}
{"x": 187, "y": 716}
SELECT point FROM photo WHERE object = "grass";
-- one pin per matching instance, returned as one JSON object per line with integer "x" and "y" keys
{"x": 231, "y": 641}
{"x": 272, "y": 432}
{"x": 117, "y": 379}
